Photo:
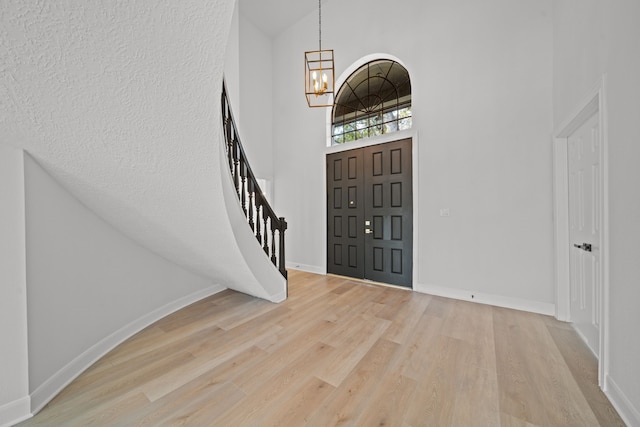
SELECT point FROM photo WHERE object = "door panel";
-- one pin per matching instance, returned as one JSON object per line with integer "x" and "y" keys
{"x": 370, "y": 188}
{"x": 388, "y": 205}
{"x": 345, "y": 241}
{"x": 584, "y": 232}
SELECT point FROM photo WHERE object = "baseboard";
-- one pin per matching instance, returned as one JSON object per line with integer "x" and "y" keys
{"x": 52, "y": 386}
{"x": 548, "y": 309}
{"x": 13, "y": 412}
{"x": 308, "y": 268}
{"x": 629, "y": 414}
{"x": 584, "y": 339}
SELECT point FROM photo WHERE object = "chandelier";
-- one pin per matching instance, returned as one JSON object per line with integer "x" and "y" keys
{"x": 319, "y": 72}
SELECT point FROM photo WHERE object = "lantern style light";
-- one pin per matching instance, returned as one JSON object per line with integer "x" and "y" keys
{"x": 319, "y": 74}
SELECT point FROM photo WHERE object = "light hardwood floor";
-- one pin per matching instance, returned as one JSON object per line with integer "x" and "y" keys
{"x": 340, "y": 352}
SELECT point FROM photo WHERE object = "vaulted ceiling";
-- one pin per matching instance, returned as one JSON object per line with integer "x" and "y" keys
{"x": 273, "y": 16}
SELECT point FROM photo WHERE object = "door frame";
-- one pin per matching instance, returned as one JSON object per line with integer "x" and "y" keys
{"x": 368, "y": 142}
{"x": 593, "y": 103}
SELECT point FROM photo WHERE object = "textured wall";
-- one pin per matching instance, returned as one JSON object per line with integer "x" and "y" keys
{"x": 119, "y": 101}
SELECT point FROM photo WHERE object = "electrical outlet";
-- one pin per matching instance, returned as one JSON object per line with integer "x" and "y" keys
{"x": 445, "y": 212}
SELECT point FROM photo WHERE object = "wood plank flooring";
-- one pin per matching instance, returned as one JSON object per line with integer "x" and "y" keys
{"x": 340, "y": 352}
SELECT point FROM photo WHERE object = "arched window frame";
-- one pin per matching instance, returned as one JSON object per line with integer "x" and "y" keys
{"x": 341, "y": 80}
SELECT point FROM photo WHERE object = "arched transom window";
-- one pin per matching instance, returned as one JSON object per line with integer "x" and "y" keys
{"x": 374, "y": 100}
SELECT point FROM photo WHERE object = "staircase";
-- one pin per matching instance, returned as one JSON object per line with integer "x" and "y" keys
{"x": 260, "y": 216}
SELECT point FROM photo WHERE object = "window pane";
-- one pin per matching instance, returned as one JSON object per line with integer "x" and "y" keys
{"x": 391, "y": 127}
{"x": 390, "y": 115}
{"x": 404, "y": 112}
{"x": 404, "y": 124}
{"x": 367, "y": 104}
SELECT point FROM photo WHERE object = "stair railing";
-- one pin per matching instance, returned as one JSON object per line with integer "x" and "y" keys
{"x": 263, "y": 221}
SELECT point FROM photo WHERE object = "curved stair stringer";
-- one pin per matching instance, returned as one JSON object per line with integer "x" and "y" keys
{"x": 267, "y": 281}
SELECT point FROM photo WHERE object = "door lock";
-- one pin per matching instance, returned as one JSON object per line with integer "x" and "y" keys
{"x": 585, "y": 247}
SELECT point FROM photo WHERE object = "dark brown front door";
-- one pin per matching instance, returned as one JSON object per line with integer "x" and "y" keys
{"x": 370, "y": 213}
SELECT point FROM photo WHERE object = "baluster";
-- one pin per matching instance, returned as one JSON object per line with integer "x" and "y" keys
{"x": 224, "y": 109}
{"x": 283, "y": 227}
{"x": 258, "y": 206}
{"x": 243, "y": 175}
{"x": 251, "y": 190}
{"x": 229, "y": 144}
{"x": 236, "y": 162}
{"x": 223, "y": 99}
{"x": 225, "y": 112}
{"x": 265, "y": 217}
{"x": 273, "y": 243}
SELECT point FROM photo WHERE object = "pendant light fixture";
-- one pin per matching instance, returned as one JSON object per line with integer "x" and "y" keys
{"x": 319, "y": 72}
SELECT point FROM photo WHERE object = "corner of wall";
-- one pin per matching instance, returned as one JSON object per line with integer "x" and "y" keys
{"x": 14, "y": 370}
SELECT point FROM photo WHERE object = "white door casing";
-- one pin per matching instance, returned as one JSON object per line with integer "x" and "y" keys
{"x": 594, "y": 104}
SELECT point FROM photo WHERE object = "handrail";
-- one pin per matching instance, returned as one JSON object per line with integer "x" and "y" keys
{"x": 261, "y": 218}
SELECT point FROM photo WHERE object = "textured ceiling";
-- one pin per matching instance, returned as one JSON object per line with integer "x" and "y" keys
{"x": 273, "y": 16}
{"x": 120, "y": 102}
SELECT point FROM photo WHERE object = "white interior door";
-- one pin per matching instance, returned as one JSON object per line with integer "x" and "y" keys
{"x": 584, "y": 221}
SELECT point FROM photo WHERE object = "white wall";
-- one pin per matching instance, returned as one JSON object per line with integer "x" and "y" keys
{"x": 591, "y": 38}
{"x": 88, "y": 286}
{"x": 14, "y": 376}
{"x": 482, "y": 104}
{"x": 232, "y": 61}
{"x": 255, "y": 116}
{"x": 248, "y": 73}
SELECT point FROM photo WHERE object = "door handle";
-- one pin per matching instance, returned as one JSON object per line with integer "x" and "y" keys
{"x": 585, "y": 247}
{"x": 368, "y": 231}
